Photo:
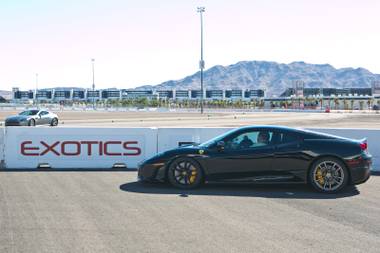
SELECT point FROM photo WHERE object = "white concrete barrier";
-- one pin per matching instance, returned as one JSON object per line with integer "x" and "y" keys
{"x": 2, "y": 146}
{"x": 28, "y": 148}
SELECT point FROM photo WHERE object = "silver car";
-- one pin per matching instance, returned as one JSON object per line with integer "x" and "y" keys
{"x": 32, "y": 118}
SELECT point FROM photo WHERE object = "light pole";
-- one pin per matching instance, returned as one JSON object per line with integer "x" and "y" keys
{"x": 93, "y": 83}
{"x": 201, "y": 62}
{"x": 36, "y": 91}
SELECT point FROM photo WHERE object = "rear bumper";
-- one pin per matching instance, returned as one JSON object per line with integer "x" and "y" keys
{"x": 361, "y": 172}
{"x": 361, "y": 175}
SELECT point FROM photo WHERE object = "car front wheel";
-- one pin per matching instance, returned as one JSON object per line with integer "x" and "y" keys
{"x": 328, "y": 175}
{"x": 185, "y": 173}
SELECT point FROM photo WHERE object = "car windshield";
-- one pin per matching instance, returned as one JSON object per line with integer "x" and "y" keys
{"x": 216, "y": 139}
{"x": 29, "y": 113}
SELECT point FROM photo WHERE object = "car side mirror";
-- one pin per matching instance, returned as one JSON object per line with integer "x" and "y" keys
{"x": 220, "y": 145}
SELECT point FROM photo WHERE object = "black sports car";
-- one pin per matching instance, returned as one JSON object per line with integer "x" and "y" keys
{"x": 32, "y": 118}
{"x": 264, "y": 154}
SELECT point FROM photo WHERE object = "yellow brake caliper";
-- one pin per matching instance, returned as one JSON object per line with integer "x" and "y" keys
{"x": 320, "y": 177}
{"x": 193, "y": 176}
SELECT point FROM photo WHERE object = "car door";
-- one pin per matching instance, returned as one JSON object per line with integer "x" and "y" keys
{"x": 43, "y": 118}
{"x": 290, "y": 160}
{"x": 243, "y": 157}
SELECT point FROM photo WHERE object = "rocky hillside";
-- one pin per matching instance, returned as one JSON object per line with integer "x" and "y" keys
{"x": 273, "y": 77}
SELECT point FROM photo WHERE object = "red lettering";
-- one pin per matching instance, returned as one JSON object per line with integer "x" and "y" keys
{"x": 24, "y": 149}
{"x": 100, "y": 148}
{"x": 111, "y": 143}
{"x": 89, "y": 146}
{"x": 50, "y": 148}
{"x": 136, "y": 149}
{"x": 74, "y": 148}
{"x": 63, "y": 148}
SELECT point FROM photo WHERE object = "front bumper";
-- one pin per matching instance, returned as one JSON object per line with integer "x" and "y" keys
{"x": 151, "y": 172}
{"x": 16, "y": 123}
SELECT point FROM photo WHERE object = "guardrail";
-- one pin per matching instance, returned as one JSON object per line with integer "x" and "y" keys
{"x": 92, "y": 148}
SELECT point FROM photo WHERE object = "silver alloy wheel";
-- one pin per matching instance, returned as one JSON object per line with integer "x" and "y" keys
{"x": 185, "y": 173}
{"x": 328, "y": 175}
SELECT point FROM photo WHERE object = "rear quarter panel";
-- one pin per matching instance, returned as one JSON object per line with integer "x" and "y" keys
{"x": 343, "y": 149}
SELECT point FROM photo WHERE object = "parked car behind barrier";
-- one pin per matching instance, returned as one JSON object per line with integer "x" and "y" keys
{"x": 32, "y": 118}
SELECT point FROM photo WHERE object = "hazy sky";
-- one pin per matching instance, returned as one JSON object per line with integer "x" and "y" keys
{"x": 147, "y": 42}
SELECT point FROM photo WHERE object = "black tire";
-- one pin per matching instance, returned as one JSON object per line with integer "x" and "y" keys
{"x": 328, "y": 175}
{"x": 185, "y": 173}
{"x": 54, "y": 122}
{"x": 32, "y": 122}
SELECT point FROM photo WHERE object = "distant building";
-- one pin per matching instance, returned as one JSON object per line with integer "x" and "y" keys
{"x": 130, "y": 94}
{"x": 165, "y": 94}
{"x": 22, "y": 95}
{"x": 70, "y": 94}
{"x": 215, "y": 94}
{"x": 234, "y": 94}
{"x": 329, "y": 92}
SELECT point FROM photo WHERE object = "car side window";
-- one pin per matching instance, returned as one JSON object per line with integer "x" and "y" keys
{"x": 249, "y": 140}
{"x": 42, "y": 113}
{"x": 288, "y": 138}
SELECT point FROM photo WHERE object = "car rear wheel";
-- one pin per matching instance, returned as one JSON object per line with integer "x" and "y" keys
{"x": 32, "y": 122}
{"x": 328, "y": 175}
{"x": 185, "y": 173}
{"x": 54, "y": 122}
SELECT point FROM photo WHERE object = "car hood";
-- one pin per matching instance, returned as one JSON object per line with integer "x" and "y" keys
{"x": 18, "y": 118}
{"x": 167, "y": 155}
{"x": 186, "y": 150}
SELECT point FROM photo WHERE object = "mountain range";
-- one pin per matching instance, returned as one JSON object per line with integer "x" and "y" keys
{"x": 6, "y": 94}
{"x": 273, "y": 77}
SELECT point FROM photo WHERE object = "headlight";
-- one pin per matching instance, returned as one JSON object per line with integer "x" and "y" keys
{"x": 141, "y": 163}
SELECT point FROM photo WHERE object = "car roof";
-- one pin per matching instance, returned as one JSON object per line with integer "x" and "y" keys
{"x": 287, "y": 129}
{"x": 36, "y": 109}
{"x": 302, "y": 131}
{"x": 271, "y": 127}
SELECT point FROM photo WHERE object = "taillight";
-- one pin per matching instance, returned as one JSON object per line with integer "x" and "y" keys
{"x": 363, "y": 146}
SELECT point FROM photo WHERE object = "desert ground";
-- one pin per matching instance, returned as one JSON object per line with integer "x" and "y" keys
{"x": 337, "y": 119}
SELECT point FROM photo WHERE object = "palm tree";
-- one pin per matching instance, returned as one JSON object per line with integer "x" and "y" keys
{"x": 261, "y": 104}
{"x": 345, "y": 104}
{"x": 336, "y": 102}
{"x": 329, "y": 102}
{"x": 309, "y": 101}
{"x": 369, "y": 103}
{"x": 361, "y": 103}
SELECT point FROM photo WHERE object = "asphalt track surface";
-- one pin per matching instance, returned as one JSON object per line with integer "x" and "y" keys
{"x": 108, "y": 211}
{"x": 214, "y": 119}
